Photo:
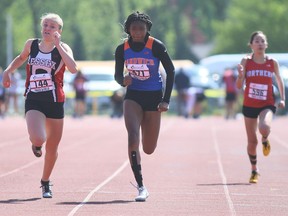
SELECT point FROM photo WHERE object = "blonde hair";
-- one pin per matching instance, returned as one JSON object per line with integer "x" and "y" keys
{"x": 52, "y": 16}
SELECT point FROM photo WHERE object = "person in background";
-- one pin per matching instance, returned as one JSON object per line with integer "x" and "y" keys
{"x": 80, "y": 94}
{"x": 198, "y": 106}
{"x": 117, "y": 103}
{"x": 182, "y": 84}
{"x": 257, "y": 70}
{"x": 144, "y": 99}
{"x": 44, "y": 104}
{"x": 195, "y": 99}
{"x": 12, "y": 92}
{"x": 229, "y": 79}
{"x": 2, "y": 96}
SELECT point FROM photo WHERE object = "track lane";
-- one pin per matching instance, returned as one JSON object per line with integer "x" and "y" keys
{"x": 199, "y": 167}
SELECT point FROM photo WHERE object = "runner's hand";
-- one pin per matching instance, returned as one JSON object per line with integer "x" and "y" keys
{"x": 281, "y": 104}
{"x": 240, "y": 70}
{"x": 127, "y": 80}
{"x": 6, "y": 82}
{"x": 57, "y": 38}
{"x": 163, "y": 107}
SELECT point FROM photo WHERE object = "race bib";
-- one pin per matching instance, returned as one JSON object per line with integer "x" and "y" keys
{"x": 258, "y": 91}
{"x": 41, "y": 83}
{"x": 138, "y": 71}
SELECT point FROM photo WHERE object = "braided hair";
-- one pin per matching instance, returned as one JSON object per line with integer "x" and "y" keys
{"x": 137, "y": 16}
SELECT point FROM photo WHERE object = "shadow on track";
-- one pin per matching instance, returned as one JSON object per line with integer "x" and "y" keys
{"x": 15, "y": 201}
{"x": 221, "y": 184}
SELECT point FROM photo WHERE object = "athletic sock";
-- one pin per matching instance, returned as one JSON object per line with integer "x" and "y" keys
{"x": 136, "y": 169}
{"x": 253, "y": 159}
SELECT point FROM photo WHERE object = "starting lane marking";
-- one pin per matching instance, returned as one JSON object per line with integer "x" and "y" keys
{"x": 222, "y": 173}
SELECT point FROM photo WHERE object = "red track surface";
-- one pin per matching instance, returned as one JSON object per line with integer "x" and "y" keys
{"x": 200, "y": 167}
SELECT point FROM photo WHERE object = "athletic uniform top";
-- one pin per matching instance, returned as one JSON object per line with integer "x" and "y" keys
{"x": 143, "y": 66}
{"x": 44, "y": 75}
{"x": 259, "y": 89}
{"x": 142, "y": 63}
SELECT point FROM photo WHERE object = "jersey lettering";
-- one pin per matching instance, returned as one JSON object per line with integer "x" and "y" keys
{"x": 139, "y": 71}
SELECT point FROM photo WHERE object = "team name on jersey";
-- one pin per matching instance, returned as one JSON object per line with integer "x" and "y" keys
{"x": 139, "y": 61}
{"x": 42, "y": 62}
{"x": 263, "y": 73}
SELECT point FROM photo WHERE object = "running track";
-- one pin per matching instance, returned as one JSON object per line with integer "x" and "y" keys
{"x": 200, "y": 167}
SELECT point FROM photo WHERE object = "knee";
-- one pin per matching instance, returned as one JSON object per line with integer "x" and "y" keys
{"x": 264, "y": 130}
{"x": 252, "y": 145}
{"x": 149, "y": 150}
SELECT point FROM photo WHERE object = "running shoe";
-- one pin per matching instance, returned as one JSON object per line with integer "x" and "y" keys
{"x": 254, "y": 177}
{"x": 143, "y": 194}
{"x": 37, "y": 150}
{"x": 266, "y": 147}
{"x": 46, "y": 189}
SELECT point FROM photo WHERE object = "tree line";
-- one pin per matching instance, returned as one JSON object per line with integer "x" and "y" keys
{"x": 93, "y": 28}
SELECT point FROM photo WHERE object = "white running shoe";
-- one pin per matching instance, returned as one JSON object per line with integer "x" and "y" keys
{"x": 46, "y": 189}
{"x": 143, "y": 194}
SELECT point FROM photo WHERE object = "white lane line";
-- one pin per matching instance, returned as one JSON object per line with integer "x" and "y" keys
{"x": 77, "y": 143}
{"x": 20, "y": 168}
{"x": 14, "y": 141}
{"x": 110, "y": 178}
{"x": 222, "y": 173}
{"x": 71, "y": 146}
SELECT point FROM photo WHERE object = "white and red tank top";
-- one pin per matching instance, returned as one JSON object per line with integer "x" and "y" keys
{"x": 45, "y": 72}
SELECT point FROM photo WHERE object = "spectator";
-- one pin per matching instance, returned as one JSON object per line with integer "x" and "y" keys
{"x": 12, "y": 92}
{"x": 117, "y": 103}
{"x": 2, "y": 96}
{"x": 195, "y": 98}
{"x": 229, "y": 79}
{"x": 182, "y": 84}
{"x": 80, "y": 94}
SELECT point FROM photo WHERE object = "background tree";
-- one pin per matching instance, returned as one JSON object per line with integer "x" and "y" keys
{"x": 93, "y": 28}
{"x": 245, "y": 17}
{"x": 5, "y": 4}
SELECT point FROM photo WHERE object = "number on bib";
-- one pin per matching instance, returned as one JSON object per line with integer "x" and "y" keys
{"x": 41, "y": 83}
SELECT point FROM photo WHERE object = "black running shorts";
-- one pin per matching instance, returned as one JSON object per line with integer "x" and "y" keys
{"x": 49, "y": 109}
{"x": 252, "y": 112}
{"x": 148, "y": 100}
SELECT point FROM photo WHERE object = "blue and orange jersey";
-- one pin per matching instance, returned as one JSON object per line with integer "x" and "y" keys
{"x": 44, "y": 75}
{"x": 259, "y": 84}
{"x": 143, "y": 67}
